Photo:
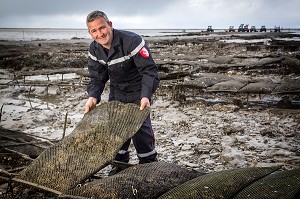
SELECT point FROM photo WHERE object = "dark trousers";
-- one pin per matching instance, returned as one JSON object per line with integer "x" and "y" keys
{"x": 144, "y": 144}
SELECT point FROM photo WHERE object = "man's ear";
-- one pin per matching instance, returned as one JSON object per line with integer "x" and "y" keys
{"x": 110, "y": 23}
{"x": 89, "y": 32}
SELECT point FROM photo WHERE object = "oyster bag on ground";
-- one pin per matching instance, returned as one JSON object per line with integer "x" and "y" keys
{"x": 222, "y": 184}
{"x": 90, "y": 147}
{"x": 280, "y": 184}
{"x": 149, "y": 180}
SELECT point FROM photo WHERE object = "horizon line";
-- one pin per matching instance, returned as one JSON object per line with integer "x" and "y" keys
{"x": 294, "y": 28}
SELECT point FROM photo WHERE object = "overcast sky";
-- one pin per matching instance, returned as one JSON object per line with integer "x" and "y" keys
{"x": 135, "y": 14}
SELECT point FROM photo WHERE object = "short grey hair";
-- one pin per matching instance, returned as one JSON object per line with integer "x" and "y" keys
{"x": 95, "y": 15}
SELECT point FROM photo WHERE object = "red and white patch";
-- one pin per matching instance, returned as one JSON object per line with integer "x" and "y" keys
{"x": 144, "y": 52}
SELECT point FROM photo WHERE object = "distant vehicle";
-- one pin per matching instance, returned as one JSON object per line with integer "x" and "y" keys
{"x": 243, "y": 28}
{"x": 253, "y": 29}
{"x": 231, "y": 29}
{"x": 263, "y": 29}
{"x": 276, "y": 28}
{"x": 246, "y": 28}
{"x": 209, "y": 29}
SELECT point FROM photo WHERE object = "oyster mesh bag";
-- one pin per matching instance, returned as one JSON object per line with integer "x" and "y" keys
{"x": 222, "y": 184}
{"x": 281, "y": 184}
{"x": 90, "y": 147}
{"x": 148, "y": 180}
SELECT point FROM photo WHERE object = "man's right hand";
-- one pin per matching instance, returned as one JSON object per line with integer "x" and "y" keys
{"x": 90, "y": 104}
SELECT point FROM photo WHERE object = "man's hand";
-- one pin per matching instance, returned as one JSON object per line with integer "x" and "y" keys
{"x": 90, "y": 104}
{"x": 144, "y": 102}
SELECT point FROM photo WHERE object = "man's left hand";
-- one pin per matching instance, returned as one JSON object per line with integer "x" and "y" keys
{"x": 144, "y": 102}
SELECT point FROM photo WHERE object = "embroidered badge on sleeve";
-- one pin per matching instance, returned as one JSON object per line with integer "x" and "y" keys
{"x": 144, "y": 52}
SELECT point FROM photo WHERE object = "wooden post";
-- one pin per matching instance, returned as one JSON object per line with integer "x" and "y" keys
{"x": 29, "y": 96}
{"x": 1, "y": 112}
{"x": 47, "y": 95}
{"x": 65, "y": 126}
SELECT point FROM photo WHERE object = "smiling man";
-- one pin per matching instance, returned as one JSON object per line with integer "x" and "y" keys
{"x": 123, "y": 58}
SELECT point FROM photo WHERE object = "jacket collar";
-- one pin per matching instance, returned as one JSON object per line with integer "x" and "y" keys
{"x": 116, "y": 38}
{"x": 114, "y": 44}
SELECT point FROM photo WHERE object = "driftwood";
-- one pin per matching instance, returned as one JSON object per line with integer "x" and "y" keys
{"x": 34, "y": 143}
{"x": 16, "y": 169}
{"x": 25, "y": 156}
{"x": 6, "y": 173}
{"x": 37, "y": 186}
{"x": 1, "y": 112}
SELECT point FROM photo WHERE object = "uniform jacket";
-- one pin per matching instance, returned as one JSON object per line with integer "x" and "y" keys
{"x": 128, "y": 66}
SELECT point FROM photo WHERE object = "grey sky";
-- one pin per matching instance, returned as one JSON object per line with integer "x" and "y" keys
{"x": 151, "y": 14}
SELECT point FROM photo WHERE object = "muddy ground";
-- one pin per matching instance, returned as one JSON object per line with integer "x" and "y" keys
{"x": 226, "y": 100}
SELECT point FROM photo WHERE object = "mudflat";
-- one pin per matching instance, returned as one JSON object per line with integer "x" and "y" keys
{"x": 226, "y": 100}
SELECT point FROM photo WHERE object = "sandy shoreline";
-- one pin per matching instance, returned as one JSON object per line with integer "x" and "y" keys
{"x": 209, "y": 131}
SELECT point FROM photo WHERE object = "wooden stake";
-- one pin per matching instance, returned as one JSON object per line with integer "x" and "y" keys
{"x": 47, "y": 88}
{"x": 1, "y": 112}
{"x": 34, "y": 185}
{"x": 65, "y": 126}
{"x": 29, "y": 96}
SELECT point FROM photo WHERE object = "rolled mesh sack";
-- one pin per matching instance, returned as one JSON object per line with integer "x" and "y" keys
{"x": 149, "y": 180}
{"x": 93, "y": 143}
{"x": 222, "y": 184}
{"x": 280, "y": 184}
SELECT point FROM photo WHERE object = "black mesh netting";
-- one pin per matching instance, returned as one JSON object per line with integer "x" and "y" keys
{"x": 280, "y": 184}
{"x": 148, "y": 180}
{"x": 91, "y": 145}
{"x": 223, "y": 184}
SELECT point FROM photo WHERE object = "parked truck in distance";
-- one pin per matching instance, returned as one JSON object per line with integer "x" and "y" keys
{"x": 243, "y": 28}
{"x": 263, "y": 29}
{"x": 209, "y": 29}
{"x": 276, "y": 28}
{"x": 231, "y": 29}
{"x": 253, "y": 29}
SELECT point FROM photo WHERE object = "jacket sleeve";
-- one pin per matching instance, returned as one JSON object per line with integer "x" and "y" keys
{"x": 146, "y": 67}
{"x": 98, "y": 76}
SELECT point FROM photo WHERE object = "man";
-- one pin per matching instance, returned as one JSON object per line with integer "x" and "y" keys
{"x": 123, "y": 58}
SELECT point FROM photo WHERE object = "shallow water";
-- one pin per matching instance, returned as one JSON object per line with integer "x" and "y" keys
{"x": 30, "y": 34}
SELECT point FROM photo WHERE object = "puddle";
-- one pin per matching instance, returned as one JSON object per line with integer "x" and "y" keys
{"x": 47, "y": 99}
{"x": 30, "y": 106}
{"x": 14, "y": 109}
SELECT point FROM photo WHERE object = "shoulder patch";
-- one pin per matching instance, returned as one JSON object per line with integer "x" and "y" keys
{"x": 144, "y": 52}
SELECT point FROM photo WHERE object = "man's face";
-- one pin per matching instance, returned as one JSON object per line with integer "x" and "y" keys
{"x": 101, "y": 31}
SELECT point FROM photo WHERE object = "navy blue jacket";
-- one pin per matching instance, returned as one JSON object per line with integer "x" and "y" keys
{"x": 128, "y": 65}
